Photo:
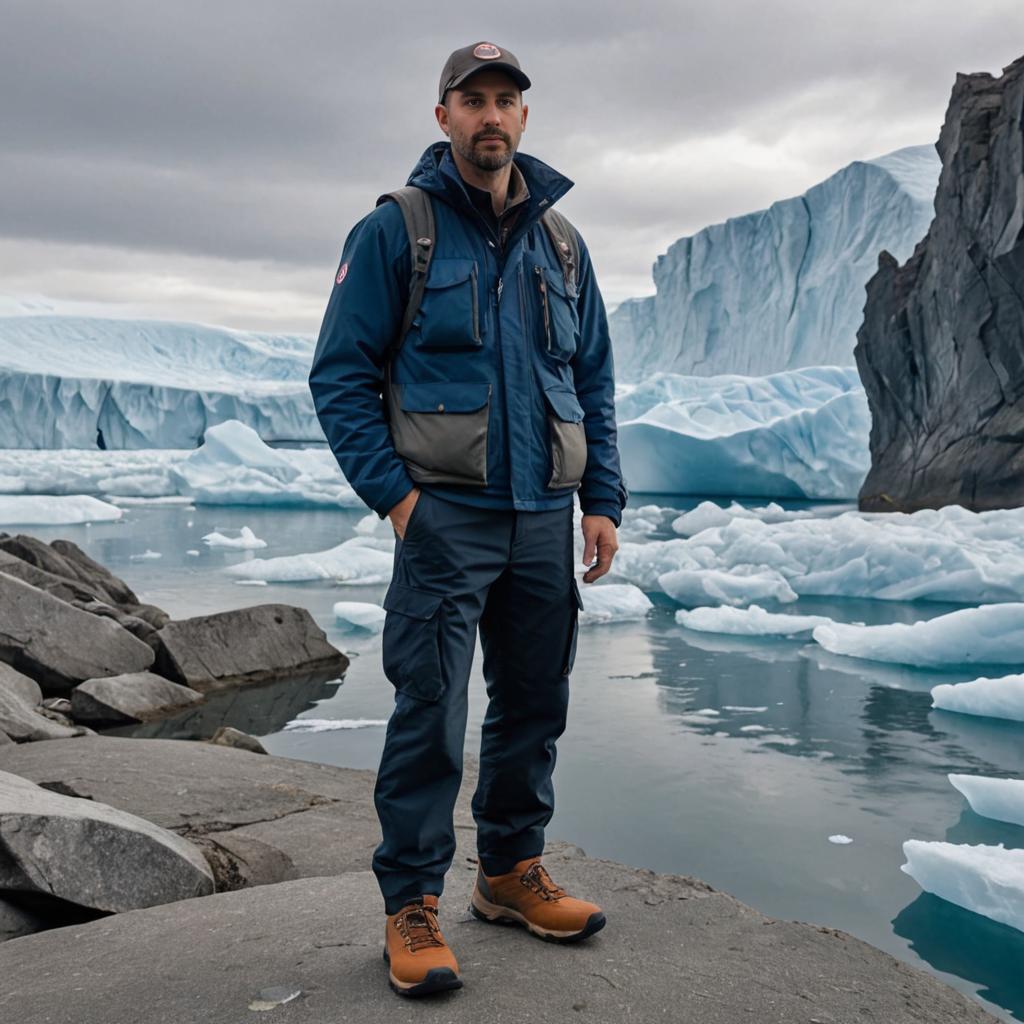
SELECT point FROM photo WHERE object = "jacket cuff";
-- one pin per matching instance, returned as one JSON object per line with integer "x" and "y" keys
{"x": 393, "y": 495}
{"x": 603, "y": 508}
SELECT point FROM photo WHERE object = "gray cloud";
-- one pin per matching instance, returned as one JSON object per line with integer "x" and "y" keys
{"x": 239, "y": 141}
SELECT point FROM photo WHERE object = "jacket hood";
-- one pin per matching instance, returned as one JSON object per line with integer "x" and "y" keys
{"x": 435, "y": 172}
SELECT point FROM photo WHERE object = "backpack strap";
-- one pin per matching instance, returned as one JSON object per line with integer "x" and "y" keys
{"x": 418, "y": 214}
{"x": 566, "y": 242}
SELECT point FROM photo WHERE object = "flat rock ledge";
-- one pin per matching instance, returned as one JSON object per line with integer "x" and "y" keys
{"x": 304, "y": 916}
{"x": 674, "y": 950}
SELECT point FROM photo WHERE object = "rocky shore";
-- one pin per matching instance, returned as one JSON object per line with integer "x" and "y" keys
{"x": 168, "y": 880}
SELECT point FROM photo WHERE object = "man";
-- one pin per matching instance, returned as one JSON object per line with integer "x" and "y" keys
{"x": 498, "y": 409}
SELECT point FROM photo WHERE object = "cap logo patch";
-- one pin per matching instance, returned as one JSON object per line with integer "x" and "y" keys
{"x": 343, "y": 270}
{"x": 486, "y": 51}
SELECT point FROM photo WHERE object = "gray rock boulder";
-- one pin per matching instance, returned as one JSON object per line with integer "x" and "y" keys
{"x": 16, "y": 920}
{"x": 89, "y": 854}
{"x": 132, "y": 697}
{"x": 59, "y": 645}
{"x": 244, "y": 646}
{"x": 940, "y": 350}
{"x": 228, "y": 737}
{"x": 674, "y": 950}
{"x": 14, "y": 682}
{"x": 24, "y": 723}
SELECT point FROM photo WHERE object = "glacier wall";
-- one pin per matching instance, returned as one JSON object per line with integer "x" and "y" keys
{"x": 87, "y": 382}
{"x": 781, "y": 288}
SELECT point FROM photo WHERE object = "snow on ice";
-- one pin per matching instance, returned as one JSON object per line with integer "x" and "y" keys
{"x": 613, "y": 602}
{"x": 993, "y": 634}
{"x": 246, "y": 540}
{"x": 986, "y": 879}
{"x": 752, "y": 621}
{"x": 993, "y": 698}
{"x": 357, "y": 560}
{"x": 999, "y": 799}
{"x": 54, "y": 510}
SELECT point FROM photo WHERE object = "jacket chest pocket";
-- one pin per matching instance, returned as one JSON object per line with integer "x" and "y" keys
{"x": 449, "y": 313}
{"x": 558, "y": 322}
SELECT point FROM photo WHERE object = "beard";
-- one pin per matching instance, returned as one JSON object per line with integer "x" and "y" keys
{"x": 486, "y": 160}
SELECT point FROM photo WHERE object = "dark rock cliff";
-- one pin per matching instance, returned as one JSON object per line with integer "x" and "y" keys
{"x": 941, "y": 348}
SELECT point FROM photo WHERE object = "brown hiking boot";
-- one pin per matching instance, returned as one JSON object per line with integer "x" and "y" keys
{"x": 419, "y": 959}
{"x": 527, "y": 896}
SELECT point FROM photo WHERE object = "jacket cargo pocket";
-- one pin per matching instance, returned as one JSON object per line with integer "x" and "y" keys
{"x": 570, "y": 655}
{"x": 568, "y": 438}
{"x": 440, "y": 431}
{"x": 411, "y": 641}
{"x": 449, "y": 313}
{"x": 560, "y": 323}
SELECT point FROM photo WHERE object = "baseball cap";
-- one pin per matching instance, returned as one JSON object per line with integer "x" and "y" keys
{"x": 462, "y": 63}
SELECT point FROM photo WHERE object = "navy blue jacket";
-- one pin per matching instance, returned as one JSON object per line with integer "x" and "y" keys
{"x": 498, "y": 326}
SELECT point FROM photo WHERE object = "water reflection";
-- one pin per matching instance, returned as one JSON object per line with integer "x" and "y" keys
{"x": 962, "y": 943}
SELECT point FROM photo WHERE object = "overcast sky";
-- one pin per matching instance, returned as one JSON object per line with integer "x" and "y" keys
{"x": 204, "y": 161}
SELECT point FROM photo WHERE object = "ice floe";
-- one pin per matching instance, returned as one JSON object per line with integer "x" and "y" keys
{"x": 715, "y": 587}
{"x": 331, "y": 724}
{"x": 613, "y": 602}
{"x": 752, "y": 621}
{"x": 1000, "y": 799}
{"x": 246, "y": 540}
{"x": 993, "y": 634}
{"x": 55, "y": 510}
{"x": 986, "y": 879}
{"x": 360, "y": 615}
{"x": 840, "y": 840}
{"x": 357, "y": 560}
{"x": 994, "y": 698}
{"x": 707, "y": 515}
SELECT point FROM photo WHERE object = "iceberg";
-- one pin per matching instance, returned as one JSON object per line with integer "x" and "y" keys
{"x": 715, "y": 587}
{"x": 613, "y": 602}
{"x": 993, "y": 698}
{"x": 707, "y": 514}
{"x": 246, "y": 540}
{"x": 949, "y": 554}
{"x": 999, "y": 799}
{"x": 798, "y": 434}
{"x": 780, "y": 288}
{"x": 990, "y": 635}
{"x": 752, "y": 621}
{"x": 55, "y": 510}
{"x": 988, "y": 880}
{"x": 87, "y": 382}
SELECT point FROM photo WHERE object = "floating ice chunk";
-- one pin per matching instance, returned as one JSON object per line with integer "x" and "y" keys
{"x": 994, "y": 698}
{"x": 360, "y": 614}
{"x": 1000, "y": 799}
{"x": 840, "y": 840}
{"x": 613, "y": 602}
{"x": 752, "y": 621}
{"x": 246, "y": 540}
{"x": 713, "y": 586}
{"x": 986, "y": 879}
{"x": 250, "y": 583}
{"x": 147, "y": 554}
{"x": 330, "y": 724}
{"x": 55, "y": 510}
{"x": 991, "y": 634}
{"x": 754, "y": 728}
{"x": 192, "y": 551}
{"x": 352, "y": 561}
{"x": 740, "y": 707}
{"x": 707, "y": 515}
{"x": 235, "y": 467}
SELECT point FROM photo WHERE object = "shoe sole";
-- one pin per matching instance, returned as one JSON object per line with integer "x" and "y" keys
{"x": 494, "y": 913}
{"x": 437, "y": 979}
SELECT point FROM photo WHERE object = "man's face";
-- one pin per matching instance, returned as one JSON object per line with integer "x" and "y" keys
{"x": 484, "y": 118}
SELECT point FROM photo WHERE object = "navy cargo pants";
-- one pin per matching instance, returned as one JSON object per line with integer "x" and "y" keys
{"x": 509, "y": 573}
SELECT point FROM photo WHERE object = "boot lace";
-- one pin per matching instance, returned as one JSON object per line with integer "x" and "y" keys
{"x": 419, "y": 928}
{"x": 539, "y": 881}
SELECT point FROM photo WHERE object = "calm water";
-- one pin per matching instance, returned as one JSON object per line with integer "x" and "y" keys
{"x": 841, "y": 747}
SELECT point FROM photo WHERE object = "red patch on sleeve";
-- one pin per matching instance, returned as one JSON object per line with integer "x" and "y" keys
{"x": 341, "y": 273}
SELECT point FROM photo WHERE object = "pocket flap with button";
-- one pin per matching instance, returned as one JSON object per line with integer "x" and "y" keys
{"x": 417, "y": 604}
{"x": 557, "y": 283}
{"x": 449, "y": 313}
{"x": 444, "y": 396}
{"x": 565, "y": 404}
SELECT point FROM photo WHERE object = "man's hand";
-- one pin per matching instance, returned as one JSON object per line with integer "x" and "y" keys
{"x": 598, "y": 535}
{"x": 399, "y": 514}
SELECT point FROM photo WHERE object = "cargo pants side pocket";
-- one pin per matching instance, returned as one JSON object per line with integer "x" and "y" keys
{"x": 577, "y": 605}
{"x": 411, "y": 641}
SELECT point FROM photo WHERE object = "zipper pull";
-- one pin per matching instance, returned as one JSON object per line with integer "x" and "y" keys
{"x": 544, "y": 303}
{"x": 501, "y": 284}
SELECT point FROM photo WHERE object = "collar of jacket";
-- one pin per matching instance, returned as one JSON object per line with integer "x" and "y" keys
{"x": 437, "y": 174}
